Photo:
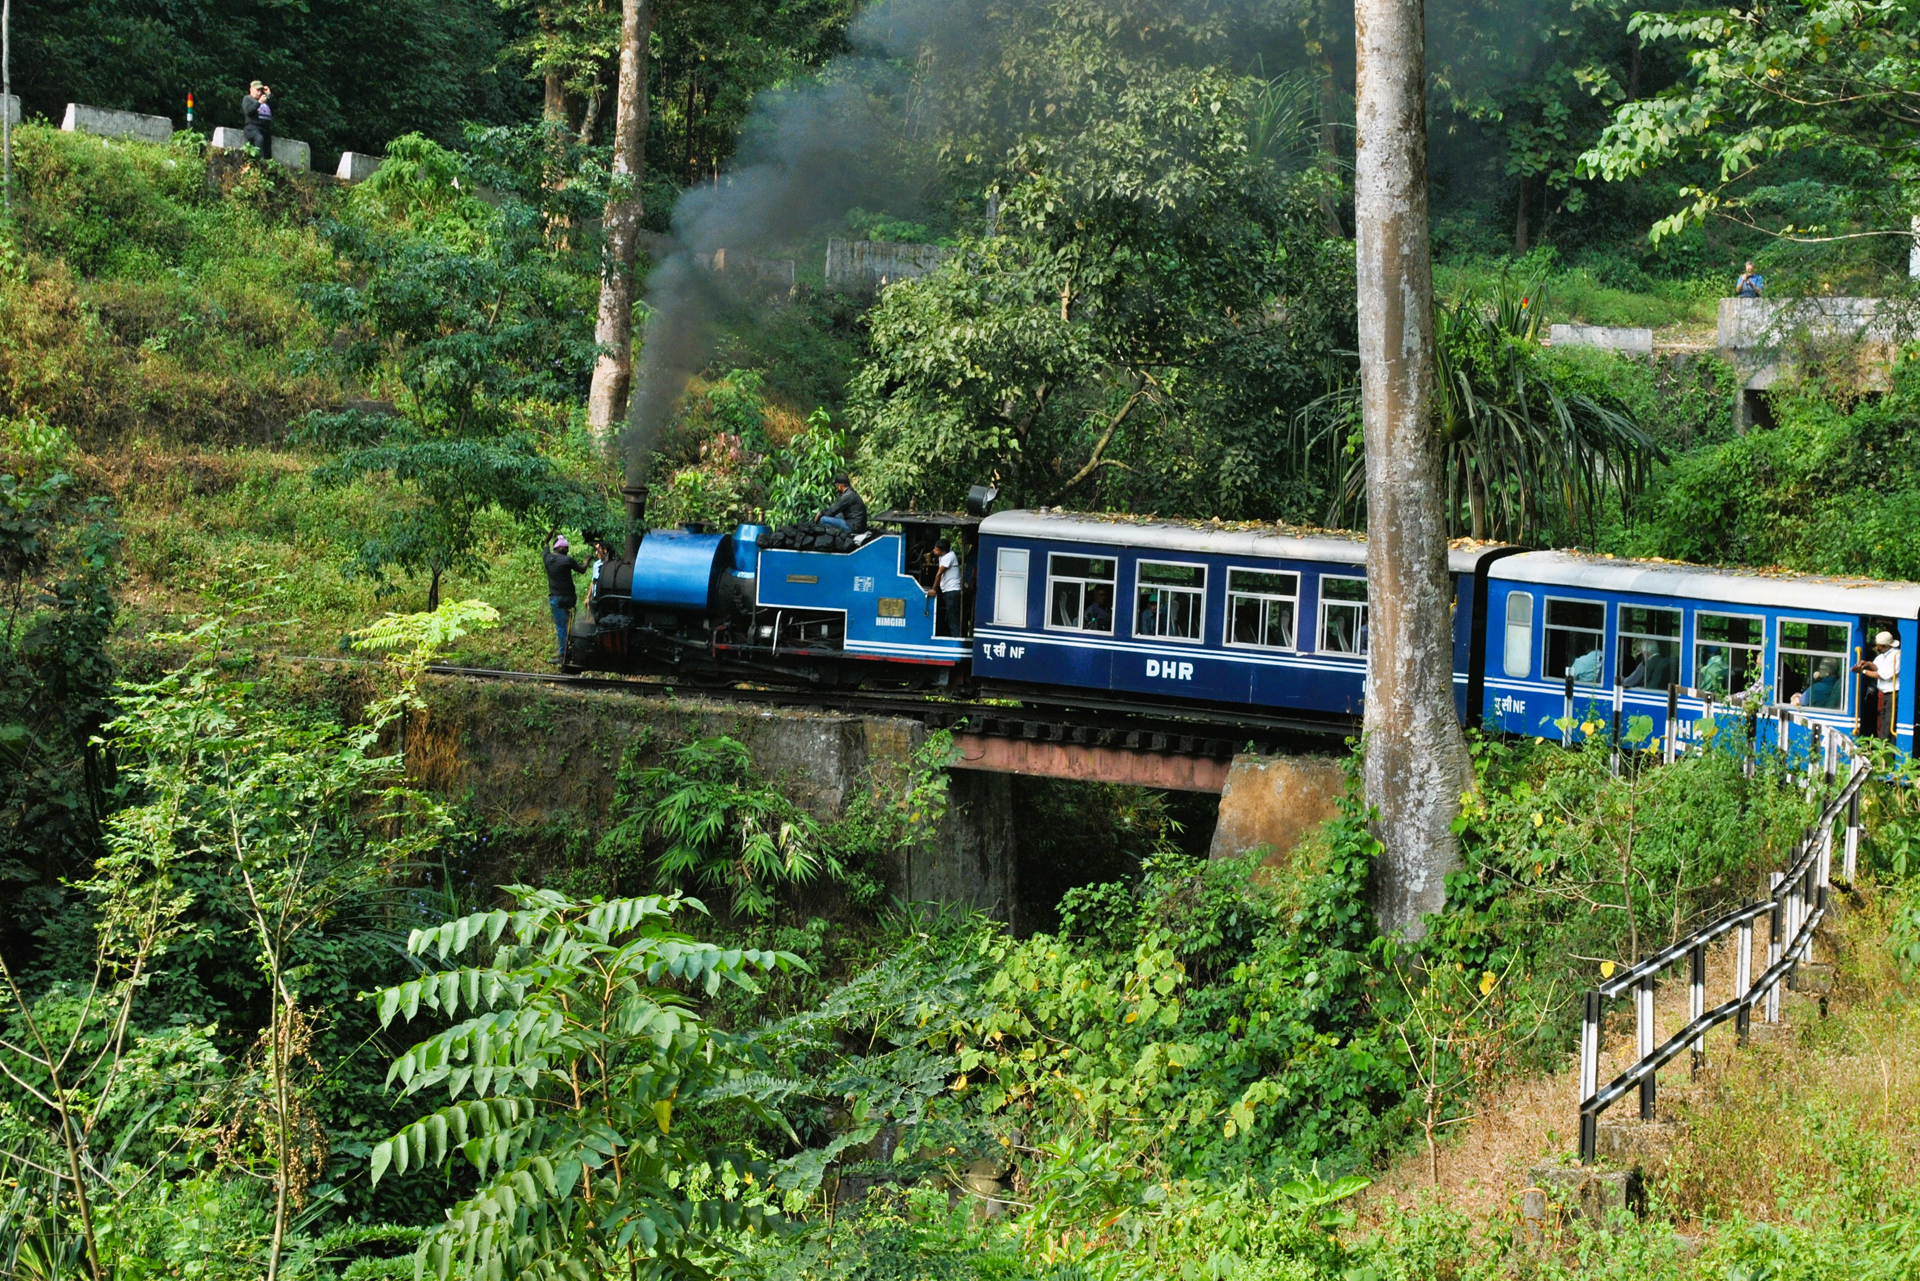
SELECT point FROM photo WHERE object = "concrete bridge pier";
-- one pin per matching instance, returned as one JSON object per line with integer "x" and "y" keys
{"x": 1275, "y": 802}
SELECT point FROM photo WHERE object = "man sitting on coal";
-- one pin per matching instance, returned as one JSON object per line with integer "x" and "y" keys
{"x": 848, "y": 511}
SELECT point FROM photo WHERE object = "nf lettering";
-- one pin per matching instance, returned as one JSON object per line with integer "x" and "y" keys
{"x": 1169, "y": 671}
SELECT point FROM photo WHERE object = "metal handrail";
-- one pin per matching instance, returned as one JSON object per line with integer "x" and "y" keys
{"x": 1796, "y": 904}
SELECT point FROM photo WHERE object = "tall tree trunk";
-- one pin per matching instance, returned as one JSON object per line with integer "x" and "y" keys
{"x": 613, "y": 371}
{"x": 554, "y": 99}
{"x": 1416, "y": 757}
{"x": 1520, "y": 221}
{"x": 1327, "y": 99}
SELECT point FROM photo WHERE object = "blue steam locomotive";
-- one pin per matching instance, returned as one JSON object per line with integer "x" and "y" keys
{"x": 1250, "y": 624}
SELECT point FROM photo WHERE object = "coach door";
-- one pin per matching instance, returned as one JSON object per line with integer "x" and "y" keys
{"x": 1867, "y": 689}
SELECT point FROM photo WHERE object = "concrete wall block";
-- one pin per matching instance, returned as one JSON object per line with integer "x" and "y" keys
{"x": 1635, "y": 342}
{"x": 857, "y": 266}
{"x": 117, "y": 124}
{"x": 293, "y": 153}
{"x": 225, "y": 139}
{"x": 10, "y": 104}
{"x": 1562, "y": 1192}
{"x": 1760, "y": 323}
{"x": 1275, "y": 801}
{"x": 357, "y": 166}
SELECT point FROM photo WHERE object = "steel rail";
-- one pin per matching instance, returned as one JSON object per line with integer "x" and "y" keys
{"x": 1181, "y": 731}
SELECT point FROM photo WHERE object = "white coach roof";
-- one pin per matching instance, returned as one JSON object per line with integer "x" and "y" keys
{"x": 1233, "y": 538}
{"x": 1776, "y": 588}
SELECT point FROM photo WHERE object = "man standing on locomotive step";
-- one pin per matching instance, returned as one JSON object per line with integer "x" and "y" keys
{"x": 947, "y": 584}
{"x": 1884, "y": 667}
{"x": 560, "y": 595}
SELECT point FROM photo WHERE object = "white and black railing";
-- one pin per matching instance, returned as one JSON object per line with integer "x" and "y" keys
{"x": 1796, "y": 903}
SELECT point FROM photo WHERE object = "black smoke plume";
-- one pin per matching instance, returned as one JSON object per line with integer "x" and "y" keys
{"x": 808, "y": 154}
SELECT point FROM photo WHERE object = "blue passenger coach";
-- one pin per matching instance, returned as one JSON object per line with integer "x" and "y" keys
{"x": 1118, "y": 608}
{"x": 1642, "y": 625}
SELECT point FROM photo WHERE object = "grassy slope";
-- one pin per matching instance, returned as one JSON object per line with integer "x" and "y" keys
{"x": 1800, "y": 1155}
{"x": 152, "y": 325}
{"x": 162, "y": 356}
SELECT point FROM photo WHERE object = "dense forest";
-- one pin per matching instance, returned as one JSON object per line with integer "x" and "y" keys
{"x": 278, "y": 999}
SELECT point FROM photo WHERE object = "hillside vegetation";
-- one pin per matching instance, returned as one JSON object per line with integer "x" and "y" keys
{"x": 268, "y": 1014}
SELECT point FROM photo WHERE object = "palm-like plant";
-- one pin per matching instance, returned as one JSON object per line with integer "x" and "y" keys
{"x": 1528, "y": 454}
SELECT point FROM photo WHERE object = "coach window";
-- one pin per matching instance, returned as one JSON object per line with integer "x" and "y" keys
{"x": 1169, "y": 601}
{"x": 1079, "y": 593}
{"x": 1813, "y": 663}
{"x": 1260, "y": 607}
{"x": 1576, "y": 641}
{"x": 1648, "y": 655}
{"x": 1726, "y": 653}
{"x": 1343, "y": 615}
{"x": 1010, "y": 587}
{"x": 1518, "y": 658}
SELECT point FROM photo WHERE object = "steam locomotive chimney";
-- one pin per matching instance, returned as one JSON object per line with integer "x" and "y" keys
{"x": 636, "y": 497}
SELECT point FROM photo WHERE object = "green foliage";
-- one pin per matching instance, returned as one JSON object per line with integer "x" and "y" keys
{"x": 702, "y": 817}
{"x": 715, "y": 825}
{"x": 474, "y": 334}
{"x": 1831, "y": 490}
{"x": 1824, "y": 78}
{"x": 136, "y": 303}
{"x": 1530, "y": 451}
{"x": 571, "y": 1043}
{"x": 418, "y": 185}
{"x": 345, "y": 75}
{"x": 58, "y": 568}
{"x": 1558, "y": 849}
{"x": 1155, "y": 293}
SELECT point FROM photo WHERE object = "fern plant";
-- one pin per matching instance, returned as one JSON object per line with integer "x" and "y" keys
{"x": 571, "y": 1043}
{"x": 715, "y": 824}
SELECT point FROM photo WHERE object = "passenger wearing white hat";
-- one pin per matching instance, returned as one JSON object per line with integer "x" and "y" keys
{"x": 1884, "y": 667}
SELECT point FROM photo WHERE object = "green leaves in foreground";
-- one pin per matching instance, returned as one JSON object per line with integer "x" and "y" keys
{"x": 570, "y": 1043}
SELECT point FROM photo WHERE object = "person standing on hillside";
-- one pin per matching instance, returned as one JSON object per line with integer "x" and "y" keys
{"x": 257, "y": 118}
{"x": 560, "y": 594}
{"x": 1751, "y": 284}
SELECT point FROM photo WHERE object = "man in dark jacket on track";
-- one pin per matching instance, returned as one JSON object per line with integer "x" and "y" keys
{"x": 849, "y": 510}
{"x": 560, "y": 594}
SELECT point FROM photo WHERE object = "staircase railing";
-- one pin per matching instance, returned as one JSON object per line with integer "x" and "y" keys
{"x": 1795, "y": 905}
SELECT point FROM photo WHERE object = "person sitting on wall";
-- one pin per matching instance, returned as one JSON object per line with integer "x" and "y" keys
{"x": 849, "y": 510}
{"x": 256, "y": 119}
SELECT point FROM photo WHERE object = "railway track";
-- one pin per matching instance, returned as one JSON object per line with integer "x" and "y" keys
{"x": 1126, "y": 726}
